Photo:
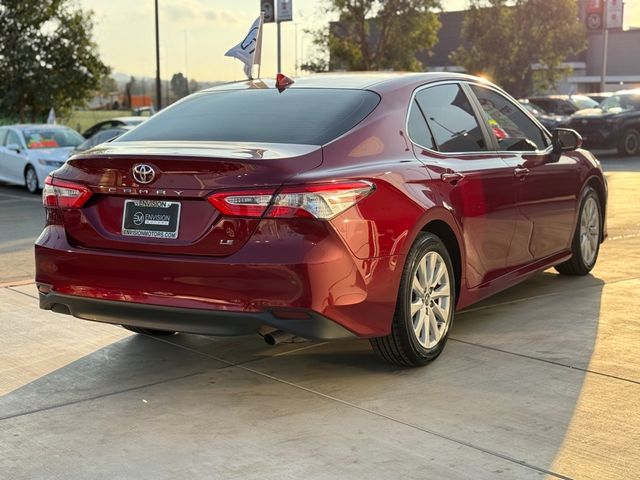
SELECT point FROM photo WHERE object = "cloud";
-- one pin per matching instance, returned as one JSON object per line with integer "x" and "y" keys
{"x": 196, "y": 12}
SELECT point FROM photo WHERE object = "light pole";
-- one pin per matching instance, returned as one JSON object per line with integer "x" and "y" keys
{"x": 158, "y": 86}
{"x": 605, "y": 47}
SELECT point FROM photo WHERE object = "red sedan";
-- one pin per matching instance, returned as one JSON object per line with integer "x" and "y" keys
{"x": 342, "y": 205}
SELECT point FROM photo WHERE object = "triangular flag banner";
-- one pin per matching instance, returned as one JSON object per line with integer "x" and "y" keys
{"x": 248, "y": 51}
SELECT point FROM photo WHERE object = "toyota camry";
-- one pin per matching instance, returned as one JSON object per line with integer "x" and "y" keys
{"x": 335, "y": 206}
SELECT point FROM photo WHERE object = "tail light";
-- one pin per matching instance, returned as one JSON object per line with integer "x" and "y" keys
{"x": 64, "y": 194}
{"x": 320, "y": 201}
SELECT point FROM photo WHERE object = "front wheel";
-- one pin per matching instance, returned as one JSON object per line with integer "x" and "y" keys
{"x": 586, "y": 240}
{"x": 425, "y": 306}
{"x": 629, "y": 143}
{"x": 31, "y": 180}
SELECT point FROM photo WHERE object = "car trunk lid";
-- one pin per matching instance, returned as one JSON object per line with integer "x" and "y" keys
{"x": 175, "y": 200}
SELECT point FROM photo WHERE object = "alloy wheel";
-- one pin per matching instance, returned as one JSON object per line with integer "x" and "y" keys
{"x": 632, "y": 143}
{"x": 589, "y": 230}
{"x": 430, "y": 301}
{"x": 31, "y": 179}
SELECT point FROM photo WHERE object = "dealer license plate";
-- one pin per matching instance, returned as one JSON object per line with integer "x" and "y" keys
{"x": 151, "y": 218}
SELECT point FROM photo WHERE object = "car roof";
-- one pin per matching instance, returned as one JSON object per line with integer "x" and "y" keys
{"x": 634, "y": 91}
{"x": 377, "y": 81}
{"x": 30, "y": 126}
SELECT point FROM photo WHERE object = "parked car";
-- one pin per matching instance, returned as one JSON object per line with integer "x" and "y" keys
{"x": 101, "y": 137}
{"x": 551, "y": 122}
{"x": 599, "y": 97}
{"x": 615, "y": 124}
{"x": 28, "y": 153}
{"x": 340, "y": 206}
{"x": 113, "y": 123}
{"x": 564, "y": 105}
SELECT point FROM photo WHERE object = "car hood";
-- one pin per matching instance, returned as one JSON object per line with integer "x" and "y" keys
{"x": 592, "y": 113}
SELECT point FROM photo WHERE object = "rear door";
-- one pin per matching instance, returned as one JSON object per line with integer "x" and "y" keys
{"x": 547, "y": 186}
{"x": 476, "y": 183}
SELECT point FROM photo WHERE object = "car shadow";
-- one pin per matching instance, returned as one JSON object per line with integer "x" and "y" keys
{"x": 509, "y": 381}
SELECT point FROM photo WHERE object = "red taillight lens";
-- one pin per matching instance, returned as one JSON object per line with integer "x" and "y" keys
{"x": 321, "y": 201}
{"x": 64, "y": 194}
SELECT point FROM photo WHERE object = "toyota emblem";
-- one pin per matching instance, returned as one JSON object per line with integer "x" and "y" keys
{"x": 143, "y": 173}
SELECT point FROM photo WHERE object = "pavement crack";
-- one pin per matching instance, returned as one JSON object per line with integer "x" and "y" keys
{"x": 96, "y": 397}
{"x": 22, "y": 293}
{"x": 551, "y": 362}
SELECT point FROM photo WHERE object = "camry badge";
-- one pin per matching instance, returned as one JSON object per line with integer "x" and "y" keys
{"x": 143, "y": 173}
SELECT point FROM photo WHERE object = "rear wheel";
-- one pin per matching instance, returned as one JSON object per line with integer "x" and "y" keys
{"x": 629, "y": 143}
{"x": 586, "y": 240}
{"x": 149, "y": 331}
{"x": 425, "y": 306}
{"x": 31, "y": 179}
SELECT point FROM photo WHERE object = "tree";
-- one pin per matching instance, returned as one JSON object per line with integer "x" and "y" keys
{"x": 179, "y": 85}
{"x": 376, "y": 34}
{"x": 194, "y": 86}
{"x": 47, "y": 57}
{"x": 522, "y": 46}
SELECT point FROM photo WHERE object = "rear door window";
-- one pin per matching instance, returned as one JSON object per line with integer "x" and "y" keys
{"x": 451, "y": 119}
{"x": 309, "y": 116}
{"x": 418, "y": 129}
{"x": 513, "y": 129}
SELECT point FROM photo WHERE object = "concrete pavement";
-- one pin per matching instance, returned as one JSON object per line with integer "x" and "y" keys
{"x": 541, "y": 381}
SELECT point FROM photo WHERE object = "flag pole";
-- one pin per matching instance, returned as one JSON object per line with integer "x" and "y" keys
{"x": 259, "y": 45}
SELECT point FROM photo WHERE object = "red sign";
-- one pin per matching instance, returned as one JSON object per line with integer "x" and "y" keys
{"x": 595, "y": 6}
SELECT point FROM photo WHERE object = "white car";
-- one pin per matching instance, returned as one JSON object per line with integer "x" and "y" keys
{"x": 28, "y": 153}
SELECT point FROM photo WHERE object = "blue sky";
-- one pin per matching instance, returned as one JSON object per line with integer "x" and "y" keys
{"x": 195, "y": 34}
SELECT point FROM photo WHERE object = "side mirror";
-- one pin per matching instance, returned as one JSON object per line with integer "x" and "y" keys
{"x": 565, "y": 139}
{"x": 14, "y": 147}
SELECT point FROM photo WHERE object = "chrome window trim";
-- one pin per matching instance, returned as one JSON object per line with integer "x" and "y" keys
{"x": 546, "y": 151}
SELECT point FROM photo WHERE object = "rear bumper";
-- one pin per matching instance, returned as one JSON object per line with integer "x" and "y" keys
{"x": 280, "y": 269}
{"x": 190, "y": 320}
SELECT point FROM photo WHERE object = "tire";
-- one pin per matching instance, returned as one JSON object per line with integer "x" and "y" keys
{"x": 149, "y": 331}
{"x": 629, "y": 142}
{"x": 588, "y": 230}
{"x": 31, "y": 180}
{"x": 411, "y": 346}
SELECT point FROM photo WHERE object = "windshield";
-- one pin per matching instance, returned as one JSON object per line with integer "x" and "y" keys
{"x": 621, "y": 102}
{"x": 296, "y": 116}
{"x": 37, "y": 138}
{"x": 582, "y": 102}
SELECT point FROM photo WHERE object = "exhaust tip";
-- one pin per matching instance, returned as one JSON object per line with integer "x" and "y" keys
{"x": 270, "y": 339}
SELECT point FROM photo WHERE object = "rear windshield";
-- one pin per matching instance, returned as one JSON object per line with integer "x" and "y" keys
{"x": 300, "y": 116}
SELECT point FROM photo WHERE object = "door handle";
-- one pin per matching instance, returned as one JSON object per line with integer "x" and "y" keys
{"x": 521, "y": 171}
{"x": 451, "y": 177}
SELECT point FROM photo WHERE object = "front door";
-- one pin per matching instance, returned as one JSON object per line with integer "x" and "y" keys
{"x": 547, "y": 186}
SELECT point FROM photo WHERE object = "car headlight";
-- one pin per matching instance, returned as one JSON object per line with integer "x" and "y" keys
{"x": 50, "y": 163}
